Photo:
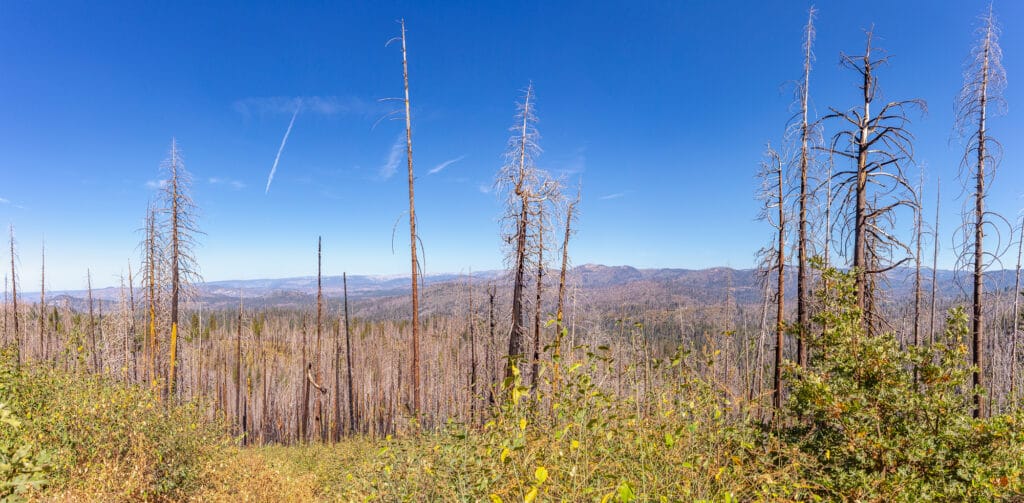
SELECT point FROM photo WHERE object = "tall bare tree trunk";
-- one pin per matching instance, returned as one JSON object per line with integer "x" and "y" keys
{"x": 560, "y": 308}
{"x": 131, "y": 323}
{"x": 151, "y": 345}
{"x": 935, "y": 262}
{"x": 92, "y": 324}
{"x": 780, "y": 313}
{"x": 348, "y": 358}
{"x": 238, "y": 365}
{"x": 318, "y": 405}
{"x": 984, "y": 82}
{"x": 918, "y": 231}
{"x": 516, "y": 341}
{"x": 42, "y": 306}
{"x": 978, "y": 322}
{"x": 172, "y": 377}
{"x": 336, "y": 431}
{"x": 535, "y": 361}
{"x": 1016, "y": 317}
{"x": 412, "y": 240}
{"x": 474, "y": 392}
{"x": 803, "y": 313}
{"x": 304, "y": 387}
{"x": 14, "y": 307}
{"x": 491, "y": 343}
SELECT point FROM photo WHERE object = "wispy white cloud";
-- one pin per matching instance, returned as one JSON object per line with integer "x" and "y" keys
{"x": 280, "y": 149}
{"x": 4, "y": 200}
{"x": 485, "y": 188}
{"x": 616, "y": 195}
{"x": 156, "y": 184}
{"x": 387, "y": 170}
{"x": 319, "y": 105}
{"x": 449, "y": 162}
{"x": 234, "y": 184}
{"x": 574, "y": 164}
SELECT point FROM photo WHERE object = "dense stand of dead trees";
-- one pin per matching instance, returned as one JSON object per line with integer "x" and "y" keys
{"x": 872, "y": 151}
{"x": 260, "y": 370}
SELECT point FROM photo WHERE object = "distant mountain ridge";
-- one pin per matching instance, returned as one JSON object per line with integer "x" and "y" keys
{"x": 709, "y": 285}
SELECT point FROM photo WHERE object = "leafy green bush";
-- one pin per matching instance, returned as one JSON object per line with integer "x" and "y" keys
{"x": 110, "y": 440}
{"x": 885, "y": 424}
{"x": 23, "y": 467}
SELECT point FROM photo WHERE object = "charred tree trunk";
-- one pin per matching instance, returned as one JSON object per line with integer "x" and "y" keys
{"x": 318, "y": 405}
{"x": 1016, "y": 317}
{"x": 570, "y": 213}
{"x": 42, "y": 307}
{"x": 918, "y": 231}
{"x": 803, "y": 314}
{"x": 780, "y": 292}
{"x": 14, "y": 307}
{"x": 348, "y": 358}
{"x": 535, "y": 361}
{"x": 92, "y": 324}
{"x": 935, "y": 263}
{"x": 238, "y": 365}
{"x": 412, "y": 241}
{"x": 984, "y": 82}
{"x": 474, "y": 392}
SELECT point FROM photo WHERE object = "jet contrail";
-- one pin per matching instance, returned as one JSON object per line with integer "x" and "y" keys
{"x": 281, "y": 149}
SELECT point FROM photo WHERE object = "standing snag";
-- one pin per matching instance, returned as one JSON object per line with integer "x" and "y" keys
{"x": 518, "y": 179}
{"x": 984, "y": 81}
{"x": 774, "y": 211}
{"x": 181, "y": 230}
{"x": 14, "y": 307}
{"x": 807, "y": 136}
{"x": 875, "y": 186}
{"x": 414, "y": 258}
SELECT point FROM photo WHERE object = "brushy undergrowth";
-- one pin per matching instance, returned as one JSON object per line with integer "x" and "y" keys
{"x": 108, "y": 441}
{"x": 865, "y": 421}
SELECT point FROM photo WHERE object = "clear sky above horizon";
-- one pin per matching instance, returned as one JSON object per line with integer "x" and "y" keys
{"x": 662, "y": 108}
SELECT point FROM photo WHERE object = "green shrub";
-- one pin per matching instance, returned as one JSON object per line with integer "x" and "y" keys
{"x": 23, "y": 466}
{"x": 111, "y": 440}
{"x": 885, "y": 424}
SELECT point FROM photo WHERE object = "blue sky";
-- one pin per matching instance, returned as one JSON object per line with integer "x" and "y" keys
{"x": 663, "y": 108}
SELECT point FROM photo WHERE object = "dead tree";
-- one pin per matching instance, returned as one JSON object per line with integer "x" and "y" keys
{"x": 875, "y": 186}
{"x": 774, "y": 212}
{"x": 935, "y": 262}
{"x": 491, "y": 345}
{"x": 318, "y": 403}
{"x": 92, "y": 324}
{"x": 517, "y": 178}
{"x": 180, "y": 212}
{"x": 42, "y": 304}
{"x": 150, "y": 269}
{"x": 918, "y": 232}
{"x": 807, "y": 137}
{"x": 123, "y": 327}
{"x": 1016, "y": 316}
{"x": 474, "y": 392}
{"x": 303, "y": 411}
{"x": 414, "y": 258}
{"x": 570, "y": 217}
{"x": 131, "y": 322}
{"x": 238, "y": 365}
{"x": 984, "y": 81}
{"x": 348, "y": 358}
{"x": 336, "y": 418}
{"x": 14, "y": 306}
